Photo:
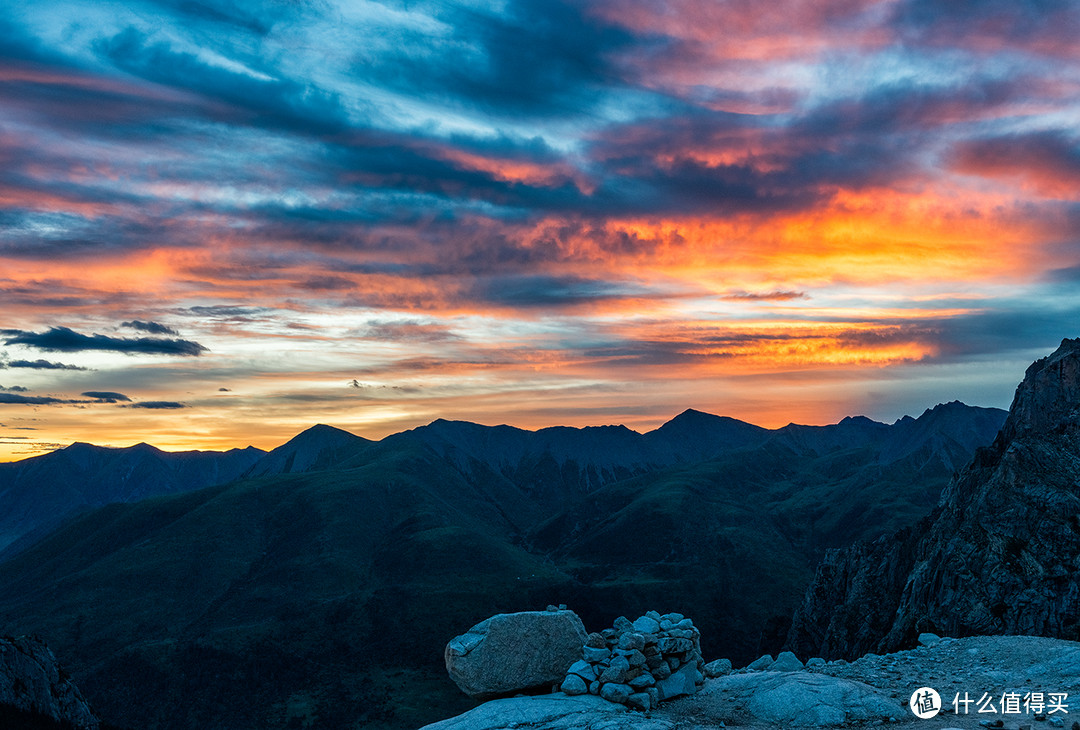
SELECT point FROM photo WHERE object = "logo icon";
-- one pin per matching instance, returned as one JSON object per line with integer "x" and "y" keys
{"x": 925, "y": 703}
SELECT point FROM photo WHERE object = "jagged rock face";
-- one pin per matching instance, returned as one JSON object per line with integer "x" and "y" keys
{"x": 999, "y": 555}
{"x": 1049, "y": 394}
{"x": 515, "y": 652}
{"x": 31, "y": 680}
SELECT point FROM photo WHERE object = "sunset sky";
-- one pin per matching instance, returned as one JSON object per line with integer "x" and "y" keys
{"x": 223, "y": 222}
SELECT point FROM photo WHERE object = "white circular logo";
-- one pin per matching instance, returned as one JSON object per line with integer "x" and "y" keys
{"x": 925, "y": 703}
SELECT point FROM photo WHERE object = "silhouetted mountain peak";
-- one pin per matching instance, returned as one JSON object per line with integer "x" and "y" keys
{"x": 1048, "y": 396}
{"x": 318, "y": 447}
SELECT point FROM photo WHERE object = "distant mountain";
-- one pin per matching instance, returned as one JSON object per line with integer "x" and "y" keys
{"x": 319, "y": 447}
{"x": 999, "y": 554}
{"x": 36, "y": 494}
{"x": 745, "y": 530}
{"x": 321, "y": 592}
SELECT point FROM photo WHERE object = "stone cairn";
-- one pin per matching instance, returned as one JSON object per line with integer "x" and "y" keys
{"x": 641, "y": 663}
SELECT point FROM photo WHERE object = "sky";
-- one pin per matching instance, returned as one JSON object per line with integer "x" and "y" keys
{"x": 224, "y": 222}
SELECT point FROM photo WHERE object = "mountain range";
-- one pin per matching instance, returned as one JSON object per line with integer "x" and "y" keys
{"x": 315, "y": 585}
{"x": 999, "y": 554}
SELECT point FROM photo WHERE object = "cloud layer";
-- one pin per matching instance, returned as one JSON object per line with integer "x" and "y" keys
{"x": 546, "y": 212}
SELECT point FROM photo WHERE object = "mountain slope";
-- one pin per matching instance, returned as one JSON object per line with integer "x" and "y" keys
{"x": 36, "y": 494}
{"x": 319, "y": 447}
{"x": 291, "y": 598}
{"x": 333, "y": 581}
{"x": 1000, "y": 553}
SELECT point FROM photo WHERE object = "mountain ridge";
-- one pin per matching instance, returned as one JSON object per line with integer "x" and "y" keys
{"x": 998, "y": 554}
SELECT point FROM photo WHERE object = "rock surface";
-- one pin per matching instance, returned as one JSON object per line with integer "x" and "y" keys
{"x": 999, "y": 555}
{"x": 873, "y": 691}
{"x": 31, "y": 681}
{"x": 515, "y": 652}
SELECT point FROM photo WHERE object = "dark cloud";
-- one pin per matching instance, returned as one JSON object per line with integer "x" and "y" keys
{"x": 105, "y": 396}
{"x": 224, "y": 390}
{"x": 36, "y": 364}
{"x": 15, "y": 389}
{"x": 1050, "y": 158}
{"x": 34, "y": 400}
{"x": 157, "y": 405}
{"x": 271, "y": 101}
{"x": 549, "y": 291}
{"x": 153, "y": 328}
{"x": 989, "y": 26}
{"x": 62, "y": 339}
{"x": 535, "y": 57}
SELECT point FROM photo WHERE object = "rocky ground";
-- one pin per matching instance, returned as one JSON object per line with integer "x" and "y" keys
{"x": 871, "y": 692}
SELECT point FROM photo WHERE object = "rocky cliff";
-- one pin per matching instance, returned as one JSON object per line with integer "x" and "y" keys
{"x": 32, "y": 683}
{"x": 999, "y": 555}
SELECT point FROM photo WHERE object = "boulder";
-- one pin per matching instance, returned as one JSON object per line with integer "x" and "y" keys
{"x": 515, "y": 652}
{"x": 760, "y": 664}
{"x": 718, "y": 668}
{"x": 928, "y": 639}
{"x": 786, "y": 662}
{"x": 683, "y": 682}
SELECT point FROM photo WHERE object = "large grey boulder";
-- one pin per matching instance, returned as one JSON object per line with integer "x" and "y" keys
{"x": 31, "y": 680}
{"x": 515, "y": 652}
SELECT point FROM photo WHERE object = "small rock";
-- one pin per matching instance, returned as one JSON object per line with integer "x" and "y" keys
{"x": 786, "y": 662}
{"x": 594, "y": 655}
{"x": 594, "y": 688}
{"x": 596, "y": 641}
{"x": 928, "y": 639}
{"x": 760, "y": 664}
{"x": 574, "y": 685}
{"x": 631, "y": 640}
{"x": 673, "y": 617}
{"x": 615, "y": 692}
{"x": 815, "y": 662}
{"x": 653, "y": 615}
{"x": 639, "y": 701}
{"x": 583, "y": 670}
{"x": 718, "y": 668}
{"x": 616, "y": 672}
{"x": 663, "y": 671}
{"x": 622, "y": 625}
{"x": 654, "y": 696}
{"x": 642, "y": 681}
{"x": 682, "y": 682}
{"x": 1057, "y": 722}
{"x": 636, "y": 659}
{"x": 646, "y": 625}
{"x": 671, "y": 645}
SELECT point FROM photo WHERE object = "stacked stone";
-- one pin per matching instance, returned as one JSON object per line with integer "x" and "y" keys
{"x": 640, "y": 664}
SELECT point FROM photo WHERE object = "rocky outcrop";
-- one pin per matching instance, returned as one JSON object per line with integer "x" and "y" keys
{"x": 515, "y": 652}
{"x": 999, "y": 555}
{"x": 641, "y": 663}
{"x": 31, "y": 681}
{"x": 872, "y": 692}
